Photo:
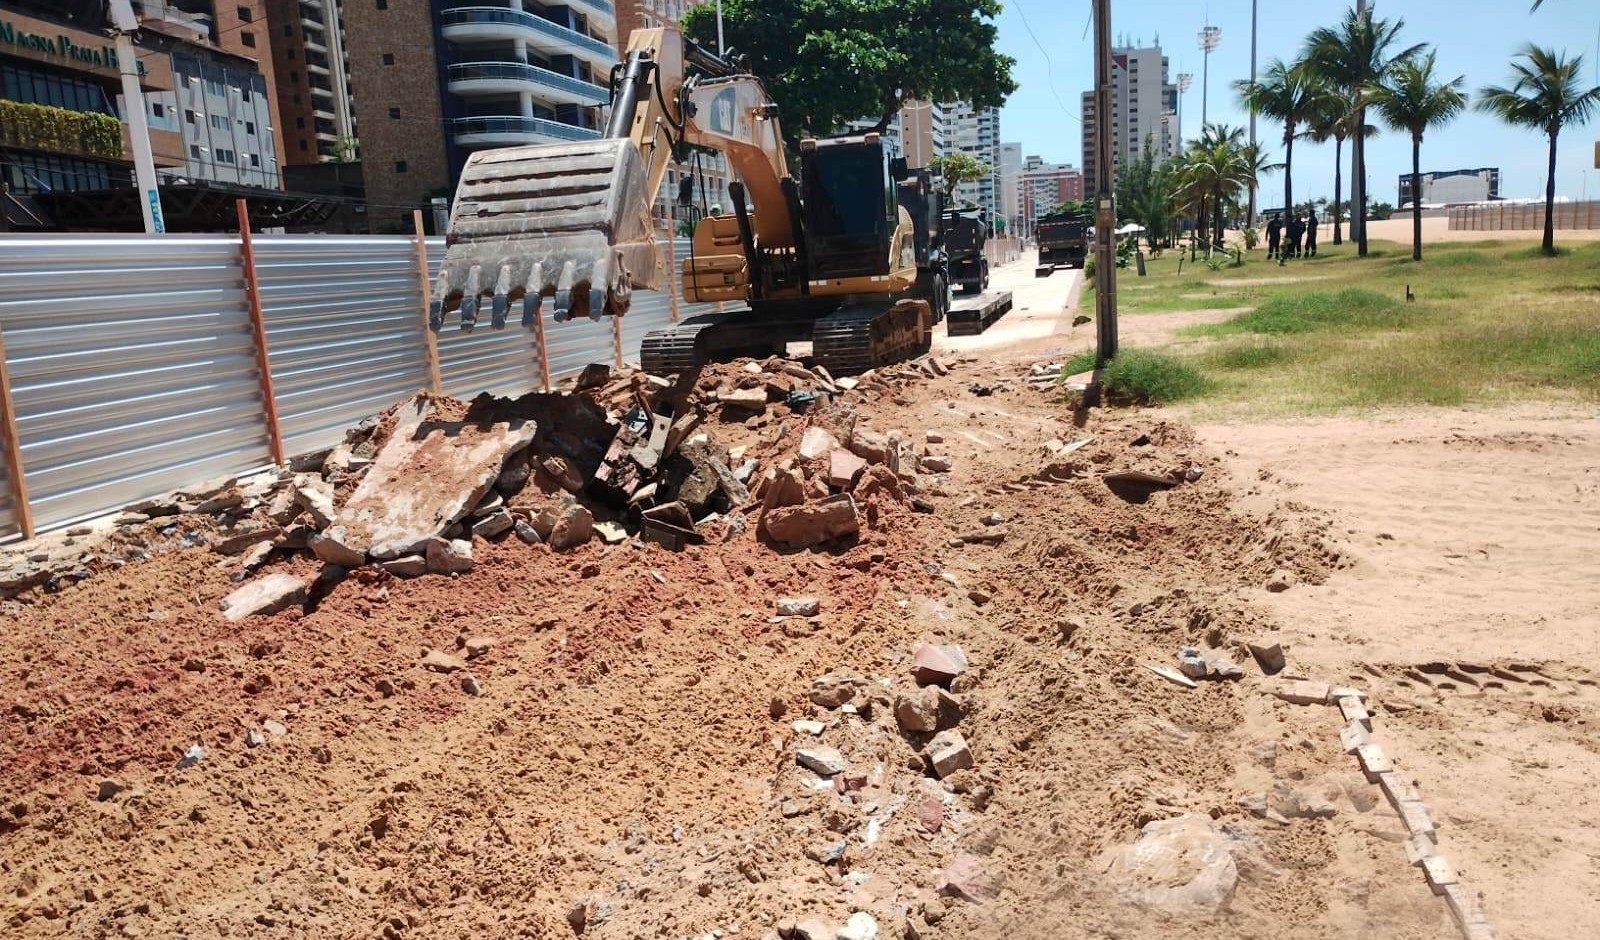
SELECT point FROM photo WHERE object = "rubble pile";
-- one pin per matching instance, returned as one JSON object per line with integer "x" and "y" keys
{"x": 770, "y": 447}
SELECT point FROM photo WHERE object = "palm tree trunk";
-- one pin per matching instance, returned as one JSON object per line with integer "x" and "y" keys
{"x": 1216, "y": 217}
{"x": 1288, "y": 170}
{"x": 1550, "y": 201}
{"x": 1416, "y": 197}
{"x": 1358, "y": 182}
{"x": 1338, "y": 180}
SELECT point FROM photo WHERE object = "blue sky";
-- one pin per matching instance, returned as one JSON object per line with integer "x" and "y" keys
{"x": 1474, "y": 38}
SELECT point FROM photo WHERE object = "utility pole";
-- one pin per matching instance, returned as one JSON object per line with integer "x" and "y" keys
{"x": 144, "y": 165}
{"x": 1105, "y": 216}
{"x": 1251, "y": 216}
{"x": 1210, "y": 38}
{"x": 719, "y": 29}
{"x": 1358, "y": 167}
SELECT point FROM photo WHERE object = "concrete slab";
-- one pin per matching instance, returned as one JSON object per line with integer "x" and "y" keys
{"x": 427, "y": 476}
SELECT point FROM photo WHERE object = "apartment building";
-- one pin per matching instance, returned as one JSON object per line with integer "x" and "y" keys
{"x": 312, "y": 71}
{"x": 1041, "y": 187}
{"x": 1144, "y": 105}
{"x": 64, "y": 151}
{"x": 436, "y": 80}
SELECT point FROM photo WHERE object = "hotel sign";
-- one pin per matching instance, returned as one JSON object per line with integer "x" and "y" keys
{"x": 59, "y": 46}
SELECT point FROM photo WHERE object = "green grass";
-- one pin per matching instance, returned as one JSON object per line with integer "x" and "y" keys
{"x": 1492, "y": 321}
{"x": 1142, "y": 377}
{"x": 1312, "y": 310}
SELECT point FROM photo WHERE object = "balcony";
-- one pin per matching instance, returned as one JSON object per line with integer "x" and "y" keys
{"x": 601, "y": 9}
{"x": 499, "y": 78}
{"x": 498, "y": 23}
{"x": 510, "y": 131}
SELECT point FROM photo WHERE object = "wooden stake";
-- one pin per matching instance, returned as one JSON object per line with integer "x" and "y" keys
{"x": 430, "y": 343}
{"x": 252, "y": 290}
{"x": 16, "y": 474}
{"x": 544, "y": 357}
{"x": 616, "y": 338}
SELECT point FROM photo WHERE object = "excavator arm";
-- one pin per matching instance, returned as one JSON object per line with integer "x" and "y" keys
{"x": 572, "y": 221}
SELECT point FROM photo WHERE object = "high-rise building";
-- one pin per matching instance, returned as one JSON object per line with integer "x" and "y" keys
{"x": 1041, "y": 187}
{"x": 976, "y": 132}
{"x": 313, "y": 80}
{"x": 436, "y": 80}
{"x": 209, "y": 107}
{"x": 1009, "y": 172}
{"x": 1144, "y": 106}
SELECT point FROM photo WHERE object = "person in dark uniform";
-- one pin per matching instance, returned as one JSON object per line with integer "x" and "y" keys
{"x": 1311, "y": 234}
{"x": 1274, "y": 236}
{"x": 1297, "y": 231}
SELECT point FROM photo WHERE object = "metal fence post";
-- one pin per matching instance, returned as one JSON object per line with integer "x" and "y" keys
{"x": 258, "y": 327}
{"x": 430, "y": 343}
{"x": 19, "y": 483}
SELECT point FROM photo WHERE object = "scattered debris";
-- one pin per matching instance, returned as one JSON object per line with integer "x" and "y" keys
{"x": 266, "y": 595}
{"x": 797, "y": 607}
{"x": 937, "y": 665}
{"x": 823, "y": 761}
{"x": 1178, "y": 866}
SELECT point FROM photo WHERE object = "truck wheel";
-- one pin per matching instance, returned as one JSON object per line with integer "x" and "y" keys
{"x": 942, "y": 298}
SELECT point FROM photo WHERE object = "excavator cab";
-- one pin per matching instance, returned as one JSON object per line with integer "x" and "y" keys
{"x": 849, "y": 205}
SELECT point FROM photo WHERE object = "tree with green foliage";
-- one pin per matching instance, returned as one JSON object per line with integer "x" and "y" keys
{"x": 1215, "y": 169}
{"x": 1071, "y": 207}
{"x": 1356, "y": 55}
{"x": 1546, "y": 94}
{"x": 827, "y": 62}
{"x": 958, "y": 168}
{"x": 1333, "y": 118}
{"x": 1144, "y": 193}
{"x": 1412, "y": 98}
{"x": 1285, "y": 94}
{"x": 1380, "y": 211}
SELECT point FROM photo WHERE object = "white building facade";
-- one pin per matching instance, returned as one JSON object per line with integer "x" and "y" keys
{"x": 1144, "y": 105}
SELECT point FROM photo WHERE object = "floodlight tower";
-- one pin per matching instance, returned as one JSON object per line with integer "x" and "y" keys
{"x": 1185, "y": 79}
{"x": 1210, "y": 38}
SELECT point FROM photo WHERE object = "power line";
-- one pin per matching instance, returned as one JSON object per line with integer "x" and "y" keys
{"x": 1049, "y": 65}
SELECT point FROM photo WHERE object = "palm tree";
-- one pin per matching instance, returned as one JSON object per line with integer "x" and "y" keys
{"x": 1285, "y": 95}
{"x": 1357, "y": 54}
{"x": 1413, "y": 99}
{"x": 1546, "y": 95}
{"x": 1333, "y": 118}
{"x": 1217, "y": 167}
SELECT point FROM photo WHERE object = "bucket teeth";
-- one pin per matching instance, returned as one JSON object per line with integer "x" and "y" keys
{"x": 568, "y": 221}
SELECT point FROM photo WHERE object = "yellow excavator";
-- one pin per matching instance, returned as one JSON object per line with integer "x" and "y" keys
{"x": 832, "y": 257}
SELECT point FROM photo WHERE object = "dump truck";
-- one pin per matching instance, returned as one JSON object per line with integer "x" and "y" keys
{"x": 1063, "y": 242}
{"x": 827, "y": 254}
{"x": 965, "y": 231}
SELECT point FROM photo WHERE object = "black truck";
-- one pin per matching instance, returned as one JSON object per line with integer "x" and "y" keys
{"x": 919, "y": 194}
{"x": 965, "y": 231}
{"x": 1063, "y": 242}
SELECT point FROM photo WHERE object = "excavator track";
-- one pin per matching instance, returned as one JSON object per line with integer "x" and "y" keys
{"x": 859, "y": 337}
{"x": 679, "y": 348}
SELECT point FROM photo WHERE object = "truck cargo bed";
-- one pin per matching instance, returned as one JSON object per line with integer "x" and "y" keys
{"x": 970, "y": 316}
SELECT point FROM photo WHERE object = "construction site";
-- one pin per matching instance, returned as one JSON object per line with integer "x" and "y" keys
{"x": 835, "y": 566}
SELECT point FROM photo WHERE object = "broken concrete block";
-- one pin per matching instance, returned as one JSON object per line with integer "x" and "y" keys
{"x": 1398, "y": 790}
{"x": 861, "y": 925}
{"x": 329, "y": 547}
{"x": 574, "y": 527}
{"x": 314, "y": 496}
{"x": 1373, "y": 761}
{"x": 807, "y": 726}
{"x": 937, "y": 665}
{"x": 814, "y": 928}
{"x": 822, "y": 761}
{"x": 428, "y": 476}
{"x": 610, "y": 532}
{"x": 1418, "y": 821}
{"x": 843, "y": 468}
{"x": 527, "y": 534}
{"x": 1464, "y": 905}
{"x": 266, "y": 595}
{"x": 452, "y": 556}
{"x": 237, "y": 542}
{"x": 797, "y": 607}
{"x": 948, "y": 753}
{"x": 1353, "y": 736}
{"x": 1302, "y": 692}
{"x": 594, "y": 375}
{"x": 811, "y": 523}
{"x": 495, "y": 524}
{"x": 1354, "y": 711}
{"x": 745, "y": 399}
{"x": 784, "y": 488}
{"x": 917, "y": 711}
{"x": 1268, "y": 655}
{"x": 440, "y": 661}
{"x": 1439, "y": 873}
{"x": 934, "y": 463}
{"x": 869, "y": 446}
{"x": 817, "y": 443}
{"x": 1179, "y": 866}
{"x": 406, "y": 566}
{"x": 966, "y": 878}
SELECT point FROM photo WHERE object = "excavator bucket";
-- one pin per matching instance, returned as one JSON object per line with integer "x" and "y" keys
{"x": 565, "y": 221}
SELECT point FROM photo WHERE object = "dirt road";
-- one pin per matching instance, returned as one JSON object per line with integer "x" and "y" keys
{"x": 630, "y": 766}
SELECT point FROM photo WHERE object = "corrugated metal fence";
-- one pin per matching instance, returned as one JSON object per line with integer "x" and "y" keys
{"x": 133, "y": 366}
{"x": 1502, "y": 216}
